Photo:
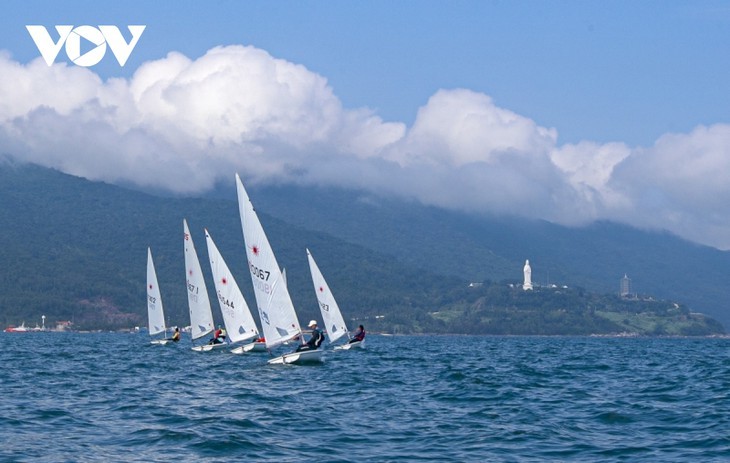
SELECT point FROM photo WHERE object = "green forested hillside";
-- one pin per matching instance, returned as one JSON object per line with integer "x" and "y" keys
{"x": 594, "y": 257}
{"x": 76, "y": 250}
{"x": 501, "y": 309}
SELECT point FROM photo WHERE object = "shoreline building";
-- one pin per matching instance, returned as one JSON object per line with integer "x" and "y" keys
{"x": 625, "y": 286}
{"x": 527, "y": 271}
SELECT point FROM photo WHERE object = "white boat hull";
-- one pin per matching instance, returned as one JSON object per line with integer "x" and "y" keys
{"x": 208, "y": 347}
{"x": 251, "y": 347}
{"x": 298, "y": 358}
{"x": 160, "y": 342}
{"x": 351, "y": 345}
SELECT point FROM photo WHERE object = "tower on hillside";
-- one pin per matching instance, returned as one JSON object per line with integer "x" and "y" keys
{"x": 528, "y": 276}
{"x": 625, "y": 286}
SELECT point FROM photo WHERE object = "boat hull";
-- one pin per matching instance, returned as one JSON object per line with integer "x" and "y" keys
{"x": 351, "y": 345}
{"x": 298, "y": 358}
{"x": 208, "y": 347}
{"x": 17, "y": 329}
{"x": 251, "y": 347}
{"x": 160, "y": 342}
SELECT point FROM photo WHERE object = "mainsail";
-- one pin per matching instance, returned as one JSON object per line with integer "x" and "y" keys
{"x": 278, "y": 318}
{"x": 240, "y": 324}
{"x": 331, "y": 316}
{"x": 155, "y": 312}
{"x": 201, "y": 316}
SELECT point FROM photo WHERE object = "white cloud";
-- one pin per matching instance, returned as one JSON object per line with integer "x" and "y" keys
{"x": 682, "y": 184}
{"x": 184, "y": 124}
{"x": 181, "y": 124}
{"x": 458, "y": 127}
{"x": 588, "y": 168}
{"x": 60, "y": 87}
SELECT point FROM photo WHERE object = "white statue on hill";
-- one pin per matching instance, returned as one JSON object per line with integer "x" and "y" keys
{"x": 528, "y": 276}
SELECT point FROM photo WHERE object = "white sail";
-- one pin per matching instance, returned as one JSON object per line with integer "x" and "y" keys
{"x": 201, "y": 316}
{"x": 155, "y": 312}
{"x": 334, "y": 324}
{"x": 278, "y": 318}
{"x": 240, "y": 324}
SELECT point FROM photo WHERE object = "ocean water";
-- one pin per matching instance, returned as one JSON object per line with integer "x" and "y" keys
{"x": 68, "y": 397}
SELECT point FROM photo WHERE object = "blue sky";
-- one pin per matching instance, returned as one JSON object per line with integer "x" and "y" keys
{"x": 596, "y": 98}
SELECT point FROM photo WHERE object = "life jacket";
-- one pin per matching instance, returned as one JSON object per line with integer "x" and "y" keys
{"x": 317, "y": 338}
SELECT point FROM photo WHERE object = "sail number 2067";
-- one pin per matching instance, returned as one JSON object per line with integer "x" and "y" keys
{"x": 258, "y": 272}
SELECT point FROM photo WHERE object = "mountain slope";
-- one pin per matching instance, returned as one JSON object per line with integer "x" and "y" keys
{"x": 595, "y": 257}
{"x": 74, "y": 249}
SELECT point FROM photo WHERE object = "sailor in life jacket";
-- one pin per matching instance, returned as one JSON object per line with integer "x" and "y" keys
{"x": 218, "y": 336}
{"x": 315, "y": 340}
{"x": 359, "y": 334}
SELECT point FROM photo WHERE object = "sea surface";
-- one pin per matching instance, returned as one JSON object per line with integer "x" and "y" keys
{"x": 71, "y": 397}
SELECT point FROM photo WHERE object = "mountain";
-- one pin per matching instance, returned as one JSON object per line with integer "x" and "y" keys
{"x": 75, "y": 249}
{"x": 594, "y": 257}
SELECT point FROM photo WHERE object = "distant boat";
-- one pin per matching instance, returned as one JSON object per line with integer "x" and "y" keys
{"x": 201, "y": 315}
{"x": 237, "y": 317}
{"x": 278, "y": 317}
{"x": 331, "y": 315}
{"x": 155, "y": 312}
{"x": 17, "y": 329}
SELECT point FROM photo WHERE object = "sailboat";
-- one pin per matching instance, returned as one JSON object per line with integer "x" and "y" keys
{"x": 331, "y": 315}
{"x": 201, "y": 316}
{"x": 155, "y": 312}
{"x": 278, "y": 317}
{"x": 237, "y": 317}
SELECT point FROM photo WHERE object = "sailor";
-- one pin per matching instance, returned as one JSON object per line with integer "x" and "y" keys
{"x": 315, "y": 340}
{"x": 218, "y": 336}
{"x": 359, "y": 334}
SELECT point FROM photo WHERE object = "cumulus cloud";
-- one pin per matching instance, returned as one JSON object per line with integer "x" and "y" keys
{"x": 181, "y": 124}
{"x": 184, "y": 124}
{"x": 588, "y": 168}
{"x": 681, "y": 184}
{"x": 457, "y": 127}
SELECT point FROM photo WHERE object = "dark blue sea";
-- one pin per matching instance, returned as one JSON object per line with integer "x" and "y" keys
{"x": 68, "y": 397}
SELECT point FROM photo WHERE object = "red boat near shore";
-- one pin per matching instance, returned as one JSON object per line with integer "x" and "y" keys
{"x": 16, "y": 329}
